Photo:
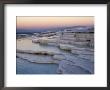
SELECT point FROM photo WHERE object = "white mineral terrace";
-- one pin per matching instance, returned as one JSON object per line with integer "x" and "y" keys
{"x": 72, "y": 56}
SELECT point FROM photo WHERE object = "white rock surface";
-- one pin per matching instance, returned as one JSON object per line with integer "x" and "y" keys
{"x": 36, "y": 52}
{"x": 35, "y": 40}
{"x": 66, "y": 47}
{"x": 69, "y": 65}
{"x": 36, "y": 58}
{"x": 69, "y": 68}
{"x": 88, "y": 57}
{"x": 84, "y": 52}
{"x": 59, "y": 57}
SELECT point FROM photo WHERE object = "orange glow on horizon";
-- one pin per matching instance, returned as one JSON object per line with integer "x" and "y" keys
{"x": 45, "y": 22}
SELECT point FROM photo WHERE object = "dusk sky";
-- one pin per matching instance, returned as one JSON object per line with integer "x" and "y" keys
{"x": 51, "y": 22}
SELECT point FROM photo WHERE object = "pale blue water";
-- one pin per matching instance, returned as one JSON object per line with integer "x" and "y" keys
{"x": 25, "y": 67}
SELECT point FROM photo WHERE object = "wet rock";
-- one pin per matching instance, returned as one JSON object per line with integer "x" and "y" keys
{"x": 36, "y": 58}
{"x": 81, "y": 43}
{"x": 25, "y": 51}
{"x": 36, "y": 52}
{"x": 64, "y": 41}
{"x": 59, "y": 71}
{"x": 88, "y": 57}
{"x": 35, "y": 40}
{"x": 84, "y": 52}
{"x": 66, "y": 47}
{"x": 43, "y": 41}
{"x": 90, "y": 49}
{"x": 84, "y": 63}
{"x": 59, "y": 57}
{"x": 66, "y": 67}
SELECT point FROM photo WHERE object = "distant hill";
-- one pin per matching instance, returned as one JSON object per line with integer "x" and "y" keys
{"x": 73, "y": 28}
{"x": 81, "y": 28}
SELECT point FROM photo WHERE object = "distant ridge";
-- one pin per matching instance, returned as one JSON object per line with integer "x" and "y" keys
{"x": 81, "y": 29}
{"x": 73, "y": 28}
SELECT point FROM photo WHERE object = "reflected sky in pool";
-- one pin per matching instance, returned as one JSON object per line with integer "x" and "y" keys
{"x": 25, "y": 67}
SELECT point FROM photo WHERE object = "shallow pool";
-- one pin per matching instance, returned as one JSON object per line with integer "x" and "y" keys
{"x": 25, "y": 67}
